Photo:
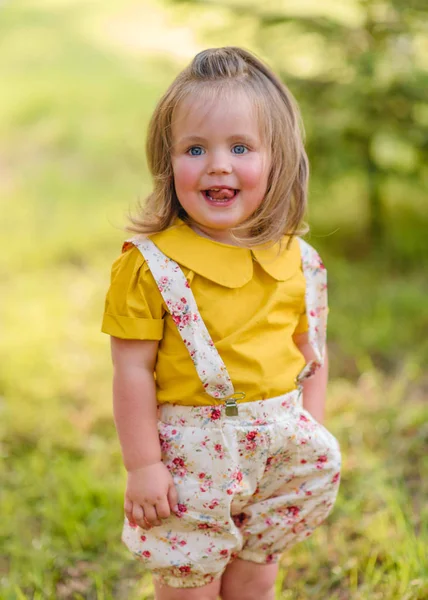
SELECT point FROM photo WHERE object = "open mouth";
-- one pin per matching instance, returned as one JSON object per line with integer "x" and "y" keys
{"x": 220, "y": 195}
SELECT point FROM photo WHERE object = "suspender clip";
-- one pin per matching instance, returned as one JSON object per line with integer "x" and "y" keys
{"x": 231, "y": 406}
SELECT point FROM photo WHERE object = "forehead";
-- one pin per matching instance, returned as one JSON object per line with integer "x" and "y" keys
{"x": 211, "y": 111}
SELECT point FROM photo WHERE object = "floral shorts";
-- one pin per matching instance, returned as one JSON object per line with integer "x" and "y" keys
{"x": 249, "y": 486}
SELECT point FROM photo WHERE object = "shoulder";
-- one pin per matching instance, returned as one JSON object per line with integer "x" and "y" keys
{"x": 128, "y": 259}
{"x": 131, "y": 265}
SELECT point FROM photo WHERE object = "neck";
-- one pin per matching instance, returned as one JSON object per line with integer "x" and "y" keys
{"x": 216, "y": 235}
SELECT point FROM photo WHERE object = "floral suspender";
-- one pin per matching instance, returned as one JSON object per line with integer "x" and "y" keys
{"x": 183, "y": 309}
{"x": 182, "y": 306}
{"x": 316, "y": 306}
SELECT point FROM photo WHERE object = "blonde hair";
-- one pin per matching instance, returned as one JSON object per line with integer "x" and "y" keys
{"x": 220, "y": 70}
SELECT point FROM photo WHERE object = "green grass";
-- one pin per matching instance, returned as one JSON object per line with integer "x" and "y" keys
{"x": 72, "y": 125}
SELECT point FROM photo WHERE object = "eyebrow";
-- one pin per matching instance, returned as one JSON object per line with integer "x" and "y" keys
{"x": 188, "y": 139}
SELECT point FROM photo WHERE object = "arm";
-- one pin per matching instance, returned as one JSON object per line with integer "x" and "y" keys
{"x": 150, "y": 492}
{"x": 315, "y": 388}
{"x": 134, "y": 401}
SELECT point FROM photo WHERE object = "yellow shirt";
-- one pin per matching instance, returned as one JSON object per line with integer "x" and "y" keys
{"x": 252, "y": 302}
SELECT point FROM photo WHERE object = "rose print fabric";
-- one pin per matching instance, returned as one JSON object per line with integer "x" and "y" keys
{"x": 316, "y": 306}
{"x": 248, "y": 486}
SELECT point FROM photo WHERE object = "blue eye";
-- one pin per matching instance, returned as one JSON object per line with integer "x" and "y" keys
{"x": 239, "y": 149}
{"x": 196, "y": 151}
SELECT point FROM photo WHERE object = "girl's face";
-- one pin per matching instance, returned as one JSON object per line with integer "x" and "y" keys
{"x": 220, "y": 164}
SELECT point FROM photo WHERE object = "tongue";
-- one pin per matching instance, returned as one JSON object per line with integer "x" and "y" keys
{"x": 221, "y": 194}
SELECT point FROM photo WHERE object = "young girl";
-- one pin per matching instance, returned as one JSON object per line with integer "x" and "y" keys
{"x": 217, "y": 312}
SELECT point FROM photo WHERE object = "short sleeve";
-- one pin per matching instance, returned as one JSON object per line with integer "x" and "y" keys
{"x": 133, "y": 306}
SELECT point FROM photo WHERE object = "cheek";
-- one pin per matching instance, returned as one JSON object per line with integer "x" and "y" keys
{"x": 255, "y": 174}
{"x": 186, "y": 174}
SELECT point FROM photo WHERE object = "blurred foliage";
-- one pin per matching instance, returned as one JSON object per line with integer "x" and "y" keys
{"x": 79, "y": 82}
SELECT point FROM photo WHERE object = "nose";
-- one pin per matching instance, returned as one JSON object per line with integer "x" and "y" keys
{"x": 219, "y": 163}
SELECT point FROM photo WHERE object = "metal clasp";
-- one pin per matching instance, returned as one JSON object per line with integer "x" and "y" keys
{"x": 231, "y": 405}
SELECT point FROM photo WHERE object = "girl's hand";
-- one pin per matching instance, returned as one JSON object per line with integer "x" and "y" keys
{"x": 150, "y": 495}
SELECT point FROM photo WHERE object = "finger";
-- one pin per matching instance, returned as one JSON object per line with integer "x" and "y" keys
{"x": 127, "y": 507}
{"x": 144, "y": 524}
{"x": 150, "y": 514}
{"x": 162, "y": 508}
{"x": 173, "y": 498}
{"x": 139, "y": 518}
{"x": 137, "y": 513}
